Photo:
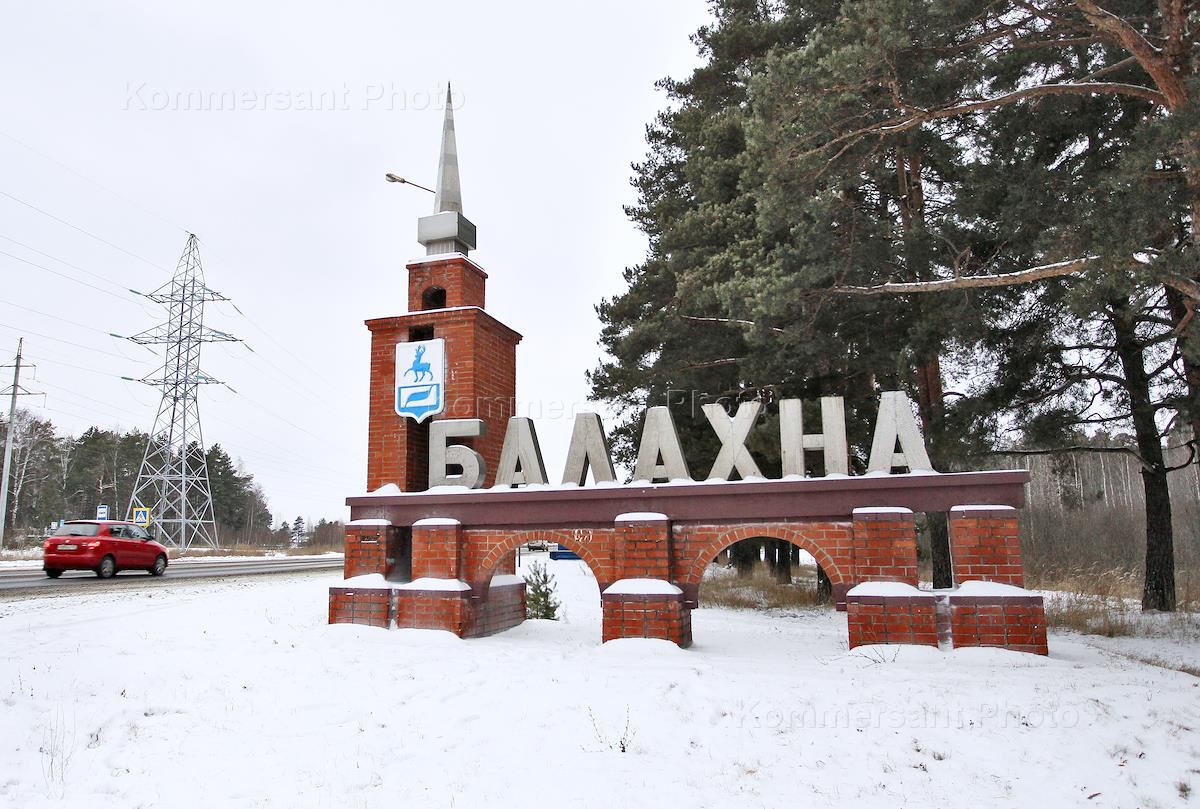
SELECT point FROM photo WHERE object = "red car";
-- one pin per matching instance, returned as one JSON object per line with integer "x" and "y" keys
{"x": 104, "y": 546}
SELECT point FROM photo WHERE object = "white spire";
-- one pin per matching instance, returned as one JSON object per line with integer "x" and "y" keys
{"x": 449, "y": 193}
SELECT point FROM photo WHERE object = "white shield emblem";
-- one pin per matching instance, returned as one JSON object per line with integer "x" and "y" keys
{"x": 421, "y": 378}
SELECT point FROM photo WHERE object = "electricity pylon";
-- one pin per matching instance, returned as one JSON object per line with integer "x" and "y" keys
{"x": 173, "y": 479}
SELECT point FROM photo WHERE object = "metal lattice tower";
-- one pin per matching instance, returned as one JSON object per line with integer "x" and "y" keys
{"x": 173, "y": 479}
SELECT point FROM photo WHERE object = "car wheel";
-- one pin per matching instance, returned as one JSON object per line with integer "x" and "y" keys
{"x": 54, "y": 574}
{"x": 160, "y": 565}
{"x": 107, "y": 568}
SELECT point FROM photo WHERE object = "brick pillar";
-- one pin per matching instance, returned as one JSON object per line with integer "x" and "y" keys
{"x": 437, "y": 549}
{"x": 366, "y": 548}
{"x": 643, "y": 544}
{"x": 885, "y": 545}
{"x": 985, "y": 545}
{"x": 665, "y": 617}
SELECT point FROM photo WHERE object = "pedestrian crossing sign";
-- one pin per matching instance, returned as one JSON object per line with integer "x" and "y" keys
{"x": 141, "y": 516}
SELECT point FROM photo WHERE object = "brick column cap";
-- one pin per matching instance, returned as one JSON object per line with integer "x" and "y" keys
{"x": 968, "y": 509}
{"x": 437, "y": 522}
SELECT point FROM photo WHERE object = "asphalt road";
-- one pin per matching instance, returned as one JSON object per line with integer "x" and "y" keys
{"x": 24, "y": 580}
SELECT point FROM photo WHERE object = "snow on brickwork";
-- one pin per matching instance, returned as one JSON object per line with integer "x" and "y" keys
{"x": 644, "y": 587}
{"x": 368, "y": 581}
{"x": 887, "y": 588}
{"x": 442, "y": 585}
{"x": 990, "y": 588}
{"x": 641, "y": 516}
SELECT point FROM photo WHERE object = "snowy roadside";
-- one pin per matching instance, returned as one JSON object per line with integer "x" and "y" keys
{"x": 18, "y": 564}
{"x": 236, "y": 693}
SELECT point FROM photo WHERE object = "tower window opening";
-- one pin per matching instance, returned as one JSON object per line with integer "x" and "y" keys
{"x": 433, "y": 298}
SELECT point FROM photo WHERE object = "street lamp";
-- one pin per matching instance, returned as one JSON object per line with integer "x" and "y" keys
{"x": 396, "y": 178}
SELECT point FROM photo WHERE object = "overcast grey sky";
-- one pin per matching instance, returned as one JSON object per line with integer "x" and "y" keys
{"x": 138, "y": 122}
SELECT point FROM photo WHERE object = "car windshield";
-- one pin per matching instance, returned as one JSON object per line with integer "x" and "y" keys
{"x": 77, "y": 529}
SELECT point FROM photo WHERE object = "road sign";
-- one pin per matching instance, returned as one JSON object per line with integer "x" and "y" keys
{"x": 141, "y": 516}
{"x": 101, "y": 512}
{"x": 421, "y": 378}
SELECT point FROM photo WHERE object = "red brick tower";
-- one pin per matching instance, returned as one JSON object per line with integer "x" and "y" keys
{"x": 445, "y": 300}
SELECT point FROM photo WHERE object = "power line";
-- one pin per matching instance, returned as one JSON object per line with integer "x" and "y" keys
{"x": 77, "y": 367}
{"x": 60, "y": 340}
{"x": 66, "y": 263}
{"x": 81, "y": 230}
{"x": 87, "y": 179}
{"x": 71, "y": 278}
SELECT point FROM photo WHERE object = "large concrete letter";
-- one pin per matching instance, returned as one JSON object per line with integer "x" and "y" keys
{"x": 733, "y": 432}
{"x": 441, "y": 456}
{"x": 896, "y": 421}
{"x": 660, "y": 440}
{"x": 832, "y": 439}
{"x": 588, "y": 450}
{"x": 520, "y": 449}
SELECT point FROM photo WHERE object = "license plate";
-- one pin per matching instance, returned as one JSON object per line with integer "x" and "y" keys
{"x": 67, "y": 547}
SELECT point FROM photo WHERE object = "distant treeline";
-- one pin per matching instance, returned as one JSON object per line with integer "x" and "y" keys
{"x": 57, "y": 477}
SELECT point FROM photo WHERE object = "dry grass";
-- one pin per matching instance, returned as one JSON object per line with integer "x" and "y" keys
{"x": 722, "y": 588}
{"x": 1108, "y": 603}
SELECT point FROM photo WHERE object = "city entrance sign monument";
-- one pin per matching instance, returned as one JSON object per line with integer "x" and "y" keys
{"x": 456, "y": 482}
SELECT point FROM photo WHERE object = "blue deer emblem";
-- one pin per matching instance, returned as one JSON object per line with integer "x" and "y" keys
{"x": 420, "y": 379}
{"x": 419, "y": 370}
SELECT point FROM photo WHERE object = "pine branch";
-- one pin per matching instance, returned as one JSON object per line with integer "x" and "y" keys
{"x": 1055, "y": 270}
{"x": 1153, "y": 60}
{"x": 1185, "y": 286}
{"x": 903, "y": 123}
{"x": 726, "y": 321}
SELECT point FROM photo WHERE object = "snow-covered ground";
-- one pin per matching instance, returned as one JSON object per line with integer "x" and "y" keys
{"x": 237, "y": 694}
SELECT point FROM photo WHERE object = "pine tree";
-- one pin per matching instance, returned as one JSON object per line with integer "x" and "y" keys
{"x": 540, "y": 601}
{"x": 299, "y": 532}
{"x": 1037, "y": 162}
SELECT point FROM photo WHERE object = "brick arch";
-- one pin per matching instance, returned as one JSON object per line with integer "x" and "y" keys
{"x": 511, "y": 539}
{"x": 797, "y": 535}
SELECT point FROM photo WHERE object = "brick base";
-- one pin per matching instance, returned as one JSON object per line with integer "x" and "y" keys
{"x": 454, "y": 610}
{"x": 908, "y": 619}
{"x": 431, "y": 609}
{"x": 355, "y": 605}
{"x": 647, "y": 616}
{"x": 503, "y": 609}
{"x": 1016, "y": 622}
